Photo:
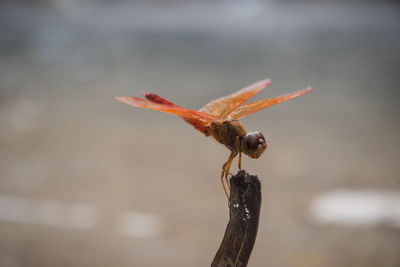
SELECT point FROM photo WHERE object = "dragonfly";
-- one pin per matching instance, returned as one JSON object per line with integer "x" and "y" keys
{"x": 220, "y": 119}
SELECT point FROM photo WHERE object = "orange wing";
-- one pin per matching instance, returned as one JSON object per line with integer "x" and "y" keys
{"x": 222, "y": 107}
{"x": 261, "y": 104}
{"x": 159, "y": 100}
{"x": 201, "y": 121}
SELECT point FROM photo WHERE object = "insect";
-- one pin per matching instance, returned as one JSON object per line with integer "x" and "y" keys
{"x": 220, "y": 119}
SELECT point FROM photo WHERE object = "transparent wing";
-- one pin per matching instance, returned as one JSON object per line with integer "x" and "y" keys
{"x": 255, "y": 106}
{"x": 222, "y": 107}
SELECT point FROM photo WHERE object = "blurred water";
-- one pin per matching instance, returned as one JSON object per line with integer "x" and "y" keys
{"x": 358, "y": 208}
{"x": 105, "y": 184}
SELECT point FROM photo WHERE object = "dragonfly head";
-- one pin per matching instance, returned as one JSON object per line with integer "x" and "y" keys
{"x": 253, "y": 144}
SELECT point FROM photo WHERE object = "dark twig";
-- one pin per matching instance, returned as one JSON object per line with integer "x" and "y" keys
{"x": 244, "y": 213}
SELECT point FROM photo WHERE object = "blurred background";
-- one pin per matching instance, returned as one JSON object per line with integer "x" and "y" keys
{"x": 88, "y": 181}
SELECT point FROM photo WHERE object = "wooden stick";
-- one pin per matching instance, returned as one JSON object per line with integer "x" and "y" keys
{"x": 244, "y": 213}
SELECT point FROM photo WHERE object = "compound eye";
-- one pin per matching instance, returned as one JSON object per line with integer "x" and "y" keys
{"x": 253, "y": 144}
{"x": 251, "y": 138}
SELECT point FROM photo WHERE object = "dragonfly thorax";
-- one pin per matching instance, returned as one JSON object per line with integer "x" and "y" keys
{"x": 226, "y": 132}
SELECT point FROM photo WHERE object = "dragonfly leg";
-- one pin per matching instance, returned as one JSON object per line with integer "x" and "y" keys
{"x": 236, "y": 151}
{"x": 237, "y": 145}
{"x": 223, "y": 185}
{"x": 227, "y": 174}
{"x": 225, "y": 171}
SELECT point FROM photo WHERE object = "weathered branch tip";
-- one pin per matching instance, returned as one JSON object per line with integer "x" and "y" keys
{"x": 244, "y": 213}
